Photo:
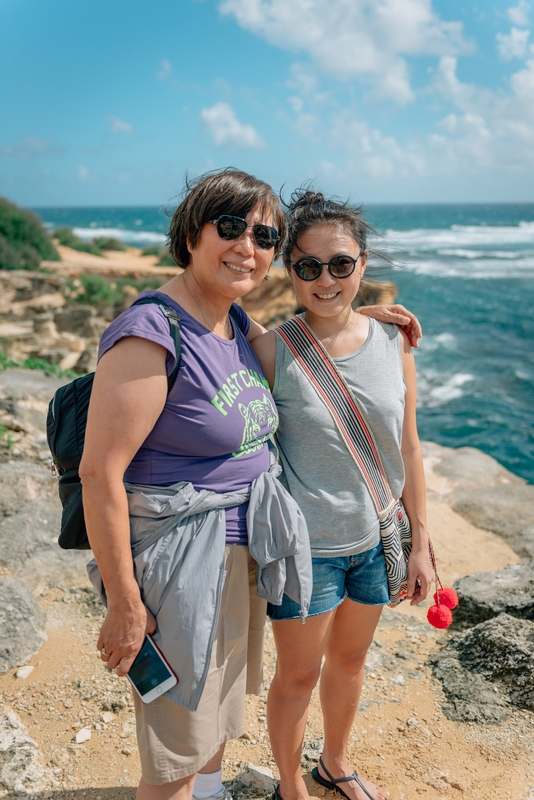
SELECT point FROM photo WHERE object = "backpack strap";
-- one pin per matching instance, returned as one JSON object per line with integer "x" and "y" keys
{"x": 346, "y": 411}
{"x": 174, "y": 325}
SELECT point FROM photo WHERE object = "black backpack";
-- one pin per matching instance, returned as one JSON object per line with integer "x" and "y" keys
{"x": 65, "y": 430}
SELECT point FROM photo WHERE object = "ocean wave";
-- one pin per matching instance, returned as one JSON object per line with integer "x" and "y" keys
{"x": 126, "y": 236}
{"x": 472, "y": 269}
{"x": 461, "y": 253}
{"x": 461, "y": 236}
{"x": 434, "y": 389}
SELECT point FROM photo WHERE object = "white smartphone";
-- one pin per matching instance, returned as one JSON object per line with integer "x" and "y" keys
{"x": 150, "y": 675}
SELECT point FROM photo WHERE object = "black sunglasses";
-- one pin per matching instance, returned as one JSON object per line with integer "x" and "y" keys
{"x": 309, "y": 268}
{"x": 230, "y": 227}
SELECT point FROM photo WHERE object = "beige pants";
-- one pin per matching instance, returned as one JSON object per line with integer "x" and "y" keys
{"x": 175, "y": 742}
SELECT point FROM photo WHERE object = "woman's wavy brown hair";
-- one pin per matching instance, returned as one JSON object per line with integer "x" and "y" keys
{"x": 227, "y": 191}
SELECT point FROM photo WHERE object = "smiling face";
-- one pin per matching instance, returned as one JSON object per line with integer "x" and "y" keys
{"x": 230, "y": 267}
{"x": 327, "y": 296}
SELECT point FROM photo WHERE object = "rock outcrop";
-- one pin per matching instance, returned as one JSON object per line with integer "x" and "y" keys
{"x": 37, "y": 322}
{"x": 484, "y": 595}
{"x": 488, "y": 669}
{"x": 505, "y": 510}
{"x": 20, "y": 767}
{"x": 22, "y": 623}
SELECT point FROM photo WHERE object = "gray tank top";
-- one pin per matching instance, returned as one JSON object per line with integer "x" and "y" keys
{"x": 318, "y": 470}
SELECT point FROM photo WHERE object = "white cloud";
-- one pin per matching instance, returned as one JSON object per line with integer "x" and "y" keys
{"x": 118, "y": 125}
{"x": 518, "y": 15}
{"x": 484, "y": 132}
{"x": 31, "y": 147}
{"x": 165, "y": 70}
{"x": 225, "y": 129}
{"x": 491, "y": 130}
{"x": 354, "y": 38}
{"x": 523, "y": 81}
{"x": 83, "y": 173}
{"x": 512, "y": 45}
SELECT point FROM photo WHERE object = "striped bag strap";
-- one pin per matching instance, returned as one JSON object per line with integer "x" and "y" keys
{"x": 345, "y": 409}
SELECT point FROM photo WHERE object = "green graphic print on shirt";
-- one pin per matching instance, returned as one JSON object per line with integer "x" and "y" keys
{"x": 258, "y": 415}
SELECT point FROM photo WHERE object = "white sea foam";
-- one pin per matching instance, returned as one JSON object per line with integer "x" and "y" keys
{"x": 129, "y": 237}
{"x": 462, "y": 236}
{"x": 436, "y": 389}
{"x": 476, "y": 268}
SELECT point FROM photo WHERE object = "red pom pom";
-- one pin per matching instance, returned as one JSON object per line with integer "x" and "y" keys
{"x": 439, "y": 616}
{"x": 447, "y": 597}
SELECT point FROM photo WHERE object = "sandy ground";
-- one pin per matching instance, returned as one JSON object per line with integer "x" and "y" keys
{"x": 400, "y": 739}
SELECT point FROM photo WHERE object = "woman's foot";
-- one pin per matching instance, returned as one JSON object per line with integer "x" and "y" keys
{"x": 350, "y": 788}
{"x": 292, "y": 790}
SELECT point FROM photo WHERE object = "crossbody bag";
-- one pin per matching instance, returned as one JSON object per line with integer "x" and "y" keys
{"x": 349, "y": 418}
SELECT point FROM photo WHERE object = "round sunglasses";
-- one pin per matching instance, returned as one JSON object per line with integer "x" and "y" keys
{"x": 230, "y": 227}
{"x": 309, "y": 268}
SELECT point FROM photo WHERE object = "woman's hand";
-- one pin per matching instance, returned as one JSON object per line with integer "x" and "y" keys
{"x": 122, "y": 635}
{"x": 420, "y": 576}
{"x": 398, "y": 315}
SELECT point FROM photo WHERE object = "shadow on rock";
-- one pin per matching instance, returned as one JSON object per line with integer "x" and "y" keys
{"x": 484, "y": 595}
{"x": 488, "y": 670}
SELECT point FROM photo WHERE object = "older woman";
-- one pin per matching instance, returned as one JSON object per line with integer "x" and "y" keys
{"x": 206, "y": 440}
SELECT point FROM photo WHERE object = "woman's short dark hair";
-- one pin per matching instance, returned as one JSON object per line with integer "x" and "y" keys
{"x": 227, "y": 191}
{"x": 308, "y": 208}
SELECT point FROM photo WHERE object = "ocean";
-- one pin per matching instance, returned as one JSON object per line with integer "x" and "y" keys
{"x": 467, "y": 271}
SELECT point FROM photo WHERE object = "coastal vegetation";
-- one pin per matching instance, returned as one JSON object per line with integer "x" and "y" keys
{"x": 96, "y": 247}
{"x": 165, "y": 258}
{"x": 24, "y": 242}
{"x": 6, "y": 362}
{"x": 102, "y": 293}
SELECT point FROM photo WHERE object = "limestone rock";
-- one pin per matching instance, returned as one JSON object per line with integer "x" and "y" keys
{"x": 30, "y": 513}
{"x": 80, "y": 320}
{"x": 470, "y": 698}
{"x": 255, "y": 781}
{"x": 487, "y": 668}
{"x": 467, "y": 466}
{"x": 484, "y": 595}
{"x": 87, "y": 361}
{"x": 505, "y": 510}
{"x": 22, "y": 623}
{"x": 20, "y": 768}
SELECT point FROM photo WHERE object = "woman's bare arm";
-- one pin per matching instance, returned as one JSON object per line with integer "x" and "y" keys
{"x": 265, "y": 349}
{"x": 398, "y": 315}
{"x": 129, "y": 393}
{"x": 414, "y": 494}
{"x": 255, "y": 330}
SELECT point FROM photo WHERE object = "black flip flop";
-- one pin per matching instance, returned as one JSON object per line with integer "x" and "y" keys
{"x": 333, "y": 782}
{"x": 276, "y": 793}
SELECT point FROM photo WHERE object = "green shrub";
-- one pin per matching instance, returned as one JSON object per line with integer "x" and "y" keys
{"x": 166, "y": 260}
{"x": 67, "y": 238}
{"x": 36, "y": 363}
{"x": 153, "y": 250}
{"x": 24, "y": 243}
{"x": 109, "y": 243}
{"x": 97, "y": 291}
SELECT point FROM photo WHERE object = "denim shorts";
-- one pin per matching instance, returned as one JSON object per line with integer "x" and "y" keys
{"x": 362, "y": 578}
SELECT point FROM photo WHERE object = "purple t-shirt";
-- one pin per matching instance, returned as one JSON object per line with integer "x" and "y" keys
{"x": 214, "y": 428}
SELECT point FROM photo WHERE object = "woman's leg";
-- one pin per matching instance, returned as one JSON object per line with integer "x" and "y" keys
{"x": 176, "y": 790}
{"x": 342, "y": 676}
{"x": 300, "y": 650}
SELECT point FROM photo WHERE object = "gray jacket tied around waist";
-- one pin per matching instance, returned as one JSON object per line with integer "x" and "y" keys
{"x": 178, "y": 540}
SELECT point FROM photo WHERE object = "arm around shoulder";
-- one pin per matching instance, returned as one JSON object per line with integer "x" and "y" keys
{"x": 265, "y": 349}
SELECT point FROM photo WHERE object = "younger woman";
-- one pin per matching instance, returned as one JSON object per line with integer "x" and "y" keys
{"x": 325, "y": 257}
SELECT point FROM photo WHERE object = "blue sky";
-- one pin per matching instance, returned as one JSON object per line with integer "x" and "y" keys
{"x": 110, "y": 103}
